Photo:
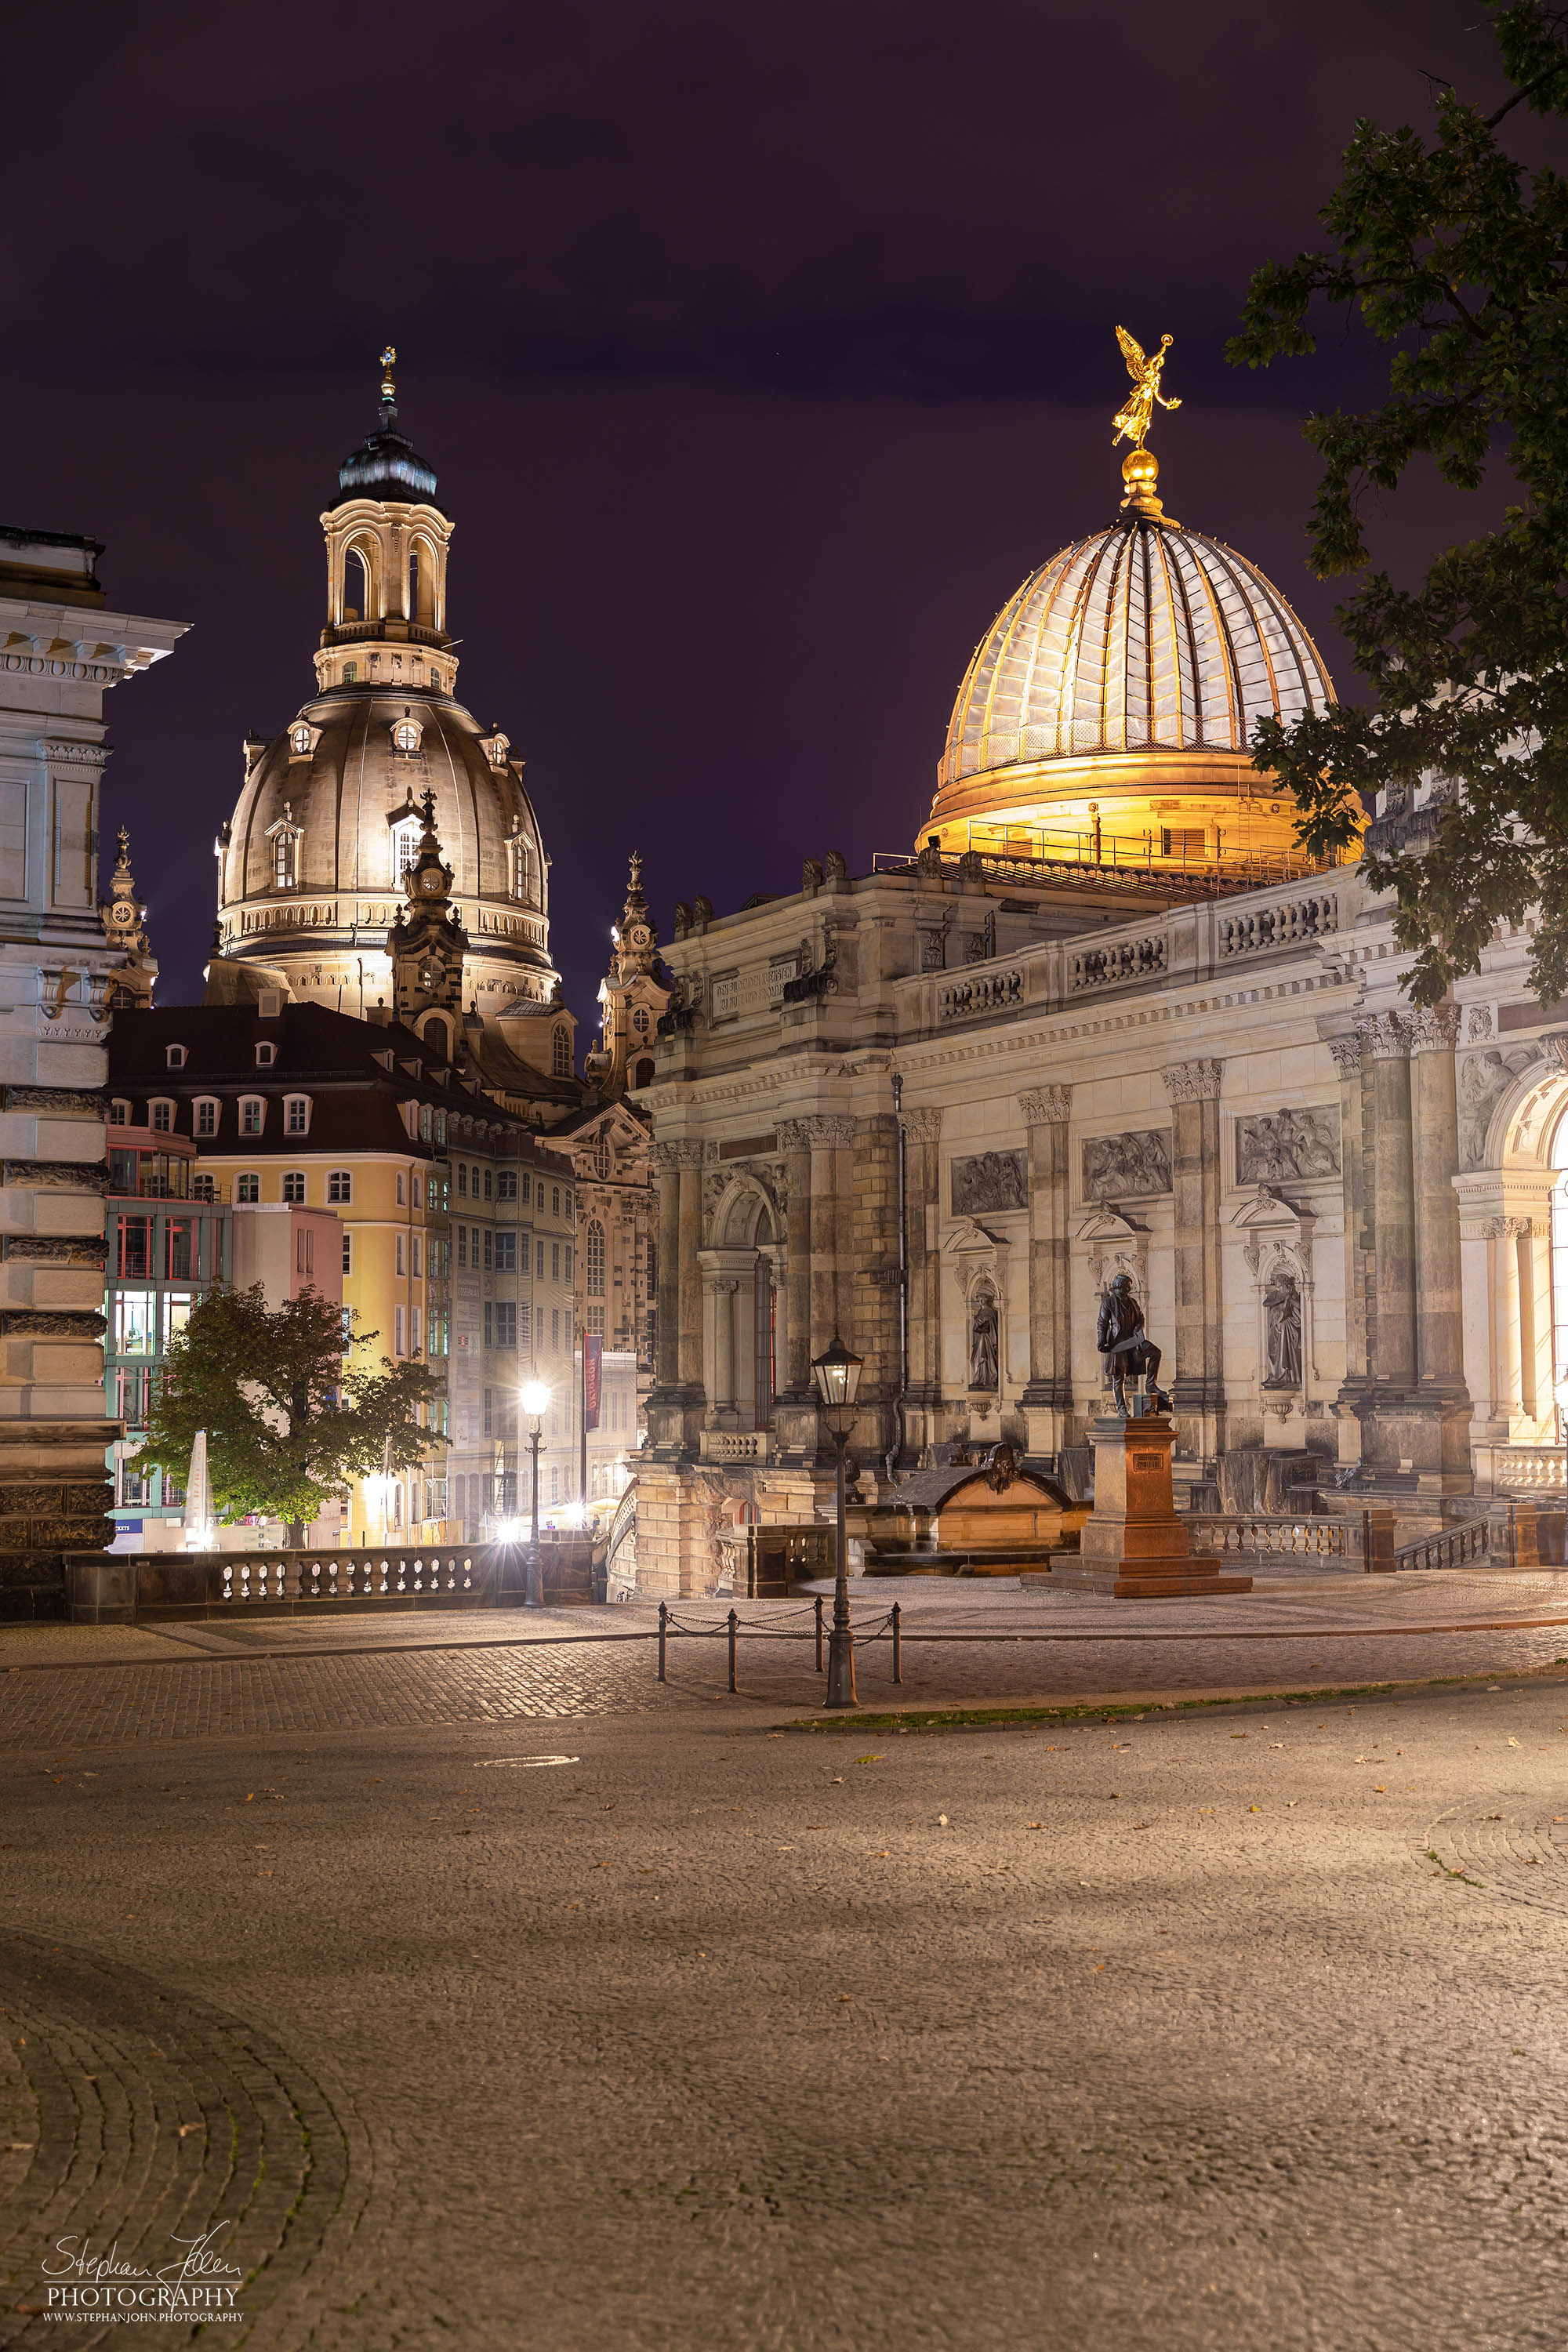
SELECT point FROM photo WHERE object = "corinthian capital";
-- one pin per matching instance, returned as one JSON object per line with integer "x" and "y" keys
{"x": 1193, "y": 1081}
{"x": 829, "y": 1132}
{"x": 668, "y": 1157}
{"x": 1434, "y": 1028}
{"x": 1346, "y": 1052}
{"x": 1387, "y": 1035}
{"x": 923, "y": 1126}
{"x": 1046, "y": 1106}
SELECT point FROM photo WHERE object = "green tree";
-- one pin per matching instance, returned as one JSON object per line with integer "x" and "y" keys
{"x": 1453, "y": 254}
{"x": 288, "y": 1422}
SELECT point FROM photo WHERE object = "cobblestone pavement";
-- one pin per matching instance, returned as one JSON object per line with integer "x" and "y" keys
{"x": 277, "y": 1675}
{"x": 623, "y": 2034}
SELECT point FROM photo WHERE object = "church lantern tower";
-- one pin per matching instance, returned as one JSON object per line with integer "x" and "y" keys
{"x": 631, "y": 998}
{"x": 335, "y": 811}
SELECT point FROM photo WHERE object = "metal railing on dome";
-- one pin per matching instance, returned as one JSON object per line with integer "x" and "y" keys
{"x": 1030, "y": 854}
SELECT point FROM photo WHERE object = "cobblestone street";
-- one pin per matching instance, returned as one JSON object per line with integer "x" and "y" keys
{"x": 489, "y": 1992}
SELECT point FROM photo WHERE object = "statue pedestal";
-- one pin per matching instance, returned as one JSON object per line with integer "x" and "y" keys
{"x": 1134, "y": 1546}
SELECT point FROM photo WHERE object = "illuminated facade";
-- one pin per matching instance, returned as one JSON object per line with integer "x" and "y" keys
{"x": 1105, "y": 1020}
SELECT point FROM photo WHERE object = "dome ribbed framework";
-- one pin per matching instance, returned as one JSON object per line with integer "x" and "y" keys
{"x": 1146, "y": 637}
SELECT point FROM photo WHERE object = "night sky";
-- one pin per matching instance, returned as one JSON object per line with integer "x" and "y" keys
{"x": 759, "y": 353}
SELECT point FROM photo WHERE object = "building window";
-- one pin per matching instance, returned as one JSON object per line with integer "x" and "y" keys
{"x": 561, "y": 1051}
{"x": 300, "y": 738}
{"x": 555, "y": 1261}
{"x": 418, "y": 1248}
{"x": 506, "y": 1252}
{"x": 406, "y": 736}
{"x": 297, "y": 1114}
{"x": 248, "y": 1189}
{"x": 487, "y": 1183}
{"x": 489, "y": 1322}
{"x": 356, "y": 588}
{"x": 596, "y": 1322}
{"x": 555, "y": 1200}
{"x": 340, "y": 1187}
{"x": 402, "y": 1188}
{"x": 593, "y": 1252}
{"x": 406, "y": 847}
{"x": 602, "y": 1158}
{"x": 162, "y": 1117}
{"x": 568, "y": 1261}
{"x": 252, "y": 1114}
{"x": 462, "y": 1246}
{"x": 462, "y": 1179}
{"x": 348, "y": 1253}
{"x": 506, "y": 1183}
{"x": 350, "y": 673}
{"x": 294, "y": 1187}
{"x": 490, "y": 1250}
{"x": 527, "y": 1192}
{"x": 204, "y": 1188}
{"x": 414, "y": 1320}
{"x": 285, "y": 839}
{"x": 400, "y": 1249}
{"x": 173, "y": 1058}
{"x": 1183, "y": 841}
{"x": 205, "y": 1116}
{"x": 399, "y": 1328}
{"x": 506, "y": 1323}
{"x": 119, "y": 1113}
{"x": 266, "y": 1053}
{"x": 642, "y": 1074}
{"x": 640, "y": 1020}
{"x": 556, "y": 1330}
{"x": 539, "y": 1269}
{"x": 554, "y": 1484}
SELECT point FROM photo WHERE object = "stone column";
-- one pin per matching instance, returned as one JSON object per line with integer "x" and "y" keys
{"x": 794, "y": 1364}
{"x": 690, "y": 1272}
{"x": 1388, "y": 1040}
{"x": 1435, "y": 1124}
{"x": 1197, "y": 1390}
{"x": 1047, "y": 1398}
{"x": 666, "y": 1305}
{"x": 922, "y": 1225}
{"x": 722, "y": 1289}
{"x": 831, "y": 1137}
{"x": 868, "y": 1265}
{"x": 1353, "y": 1181}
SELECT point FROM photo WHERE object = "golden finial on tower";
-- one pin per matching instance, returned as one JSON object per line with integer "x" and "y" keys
{"x": 389, "y": 357}
{"x": 1140, "y": 467}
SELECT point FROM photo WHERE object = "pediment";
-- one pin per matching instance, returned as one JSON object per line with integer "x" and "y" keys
{"x": 1108, "y": 1224}
{"x": 1269, "y": 1210}
{"x": 970, "y": 1239}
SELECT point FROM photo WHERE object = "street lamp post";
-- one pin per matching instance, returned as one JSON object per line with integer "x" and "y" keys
{"x": 535, "y": 1403}
{"x": 837, "y": 1376}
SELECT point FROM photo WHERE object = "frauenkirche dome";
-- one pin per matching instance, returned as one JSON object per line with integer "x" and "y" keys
{"x": 1113, "y": 700}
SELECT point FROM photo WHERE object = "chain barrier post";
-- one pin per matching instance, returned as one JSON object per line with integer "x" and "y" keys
{"x": 732, "y": 1650}
{"x": 897, "y": 1645}
{"x": 1512, "y": 1535}
{"x": 663, "y": 1624}
{"x": 1367, "y": 1543}
{"x": 818, "y": 1598}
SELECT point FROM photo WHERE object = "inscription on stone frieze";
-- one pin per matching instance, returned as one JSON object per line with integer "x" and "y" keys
{"x": 1281, "y": 1144}
{"x": 989, "y": 1180}
{"x": 1126, "y": 1167}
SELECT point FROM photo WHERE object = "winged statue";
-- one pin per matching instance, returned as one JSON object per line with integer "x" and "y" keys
{"x": 1133, "y": 421}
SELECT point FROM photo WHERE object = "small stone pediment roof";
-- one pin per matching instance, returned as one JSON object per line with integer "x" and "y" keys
{"x": 932, "y": 1490}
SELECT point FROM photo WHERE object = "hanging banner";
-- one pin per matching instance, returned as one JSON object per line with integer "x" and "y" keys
{"x": 592, "y": 1367}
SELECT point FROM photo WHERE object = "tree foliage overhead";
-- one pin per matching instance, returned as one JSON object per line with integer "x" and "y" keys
{"x": 1453, "y": 254}
{"x": 288, "y": 1422}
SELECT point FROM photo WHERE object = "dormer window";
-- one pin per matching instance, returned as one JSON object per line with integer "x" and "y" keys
{"x": 405, "y": 837}
{"x": 252, "y": 1117}
{"x": 161, "y": 1116}
{"x": 173, "y": 1058}
{"x": 496, "y": 748}
{"x": 521, "y": 855}
{"x": 119, "y": 1113}
{"x": 407, "y": 733}
{"x": 285, "y": 836}
{"x": 296, "y": 1114}
{"x": 301, "y": 739}
{"x": 266, "y": 1053}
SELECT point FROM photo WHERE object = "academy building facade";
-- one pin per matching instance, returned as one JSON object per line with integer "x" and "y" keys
{"x": 1105, "y": 1018}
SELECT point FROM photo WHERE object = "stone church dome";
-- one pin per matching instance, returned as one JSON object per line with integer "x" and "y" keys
{"x": 1124, "y": 675}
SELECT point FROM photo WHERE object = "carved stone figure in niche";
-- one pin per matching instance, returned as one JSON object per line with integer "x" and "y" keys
{"x": 1125, "y": 1167}
{"x": 1288, "y": 1143}
{"x": 1125, "y": 1347}
{"x": 983, "y": 1343}
{"x": 1003, "y": 1468}
{"x": 1282, "y": 1331}
{"x": 991, "y": 1180}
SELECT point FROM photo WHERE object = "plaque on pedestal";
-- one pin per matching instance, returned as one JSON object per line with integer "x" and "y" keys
{"x": 1134, "y": 1546}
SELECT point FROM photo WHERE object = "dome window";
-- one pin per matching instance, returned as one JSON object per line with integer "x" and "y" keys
{"x": 407, "y": 733}
{"x": 301, "y": 739}
{"x": 521, "y": 857}
{"x": 496, "y": 747}
{"x": 285, "y": 836}
{"x": 405, "y": 848}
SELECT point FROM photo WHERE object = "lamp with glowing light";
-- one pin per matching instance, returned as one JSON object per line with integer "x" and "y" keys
{"x": 535, "y": 1401}
{"x": 836, "y": 1373}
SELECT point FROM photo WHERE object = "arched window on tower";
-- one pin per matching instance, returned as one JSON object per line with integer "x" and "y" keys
{"x": 357, "y": 604}
{"x": 521, "y": 869}
{"x": 284, "y": 839}
{"x": 561, "y": 1051}
{"x": 422, "y": 584}
{"x": 437, "y": 1035}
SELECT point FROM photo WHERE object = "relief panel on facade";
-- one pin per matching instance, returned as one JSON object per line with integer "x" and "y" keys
{"x": 1126, "y": 1167}
{"x": 989, "y": 1182}
{"x": 1483, "y": 1080}
{"x": 1280, "y": 1145}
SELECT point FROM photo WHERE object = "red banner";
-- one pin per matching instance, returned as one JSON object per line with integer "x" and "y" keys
{"x": 592, "y": 1367}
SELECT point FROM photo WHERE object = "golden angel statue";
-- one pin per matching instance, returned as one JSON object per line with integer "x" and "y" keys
{"x": 1134, "y": 420}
